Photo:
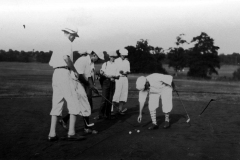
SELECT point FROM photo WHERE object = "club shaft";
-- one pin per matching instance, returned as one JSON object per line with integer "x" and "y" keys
{"x": 182, "y": 104}
{"x": 205, "y": 108}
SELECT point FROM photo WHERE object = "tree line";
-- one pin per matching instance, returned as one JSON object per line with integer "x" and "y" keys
{"x": 202, "y": 59}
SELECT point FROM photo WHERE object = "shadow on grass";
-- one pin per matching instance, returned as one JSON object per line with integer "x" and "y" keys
{"x": 174, "y": 118}
{"x": 105, "y": 124}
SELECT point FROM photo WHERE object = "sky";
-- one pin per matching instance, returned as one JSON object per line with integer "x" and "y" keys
{"x": 108, "y": 25}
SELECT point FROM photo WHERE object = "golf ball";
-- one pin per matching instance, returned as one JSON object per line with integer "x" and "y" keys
{"x": 138, "y": 131}
{"x": 130, "y": 132}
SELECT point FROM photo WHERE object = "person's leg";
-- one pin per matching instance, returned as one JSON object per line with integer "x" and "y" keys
{"x": 102, "y": 109}
{"x": 53, "y": 126}
{"x": 111, "y": 91}
{"x": 57, "y": 106}
{"x": 153, "y": 105}
{"x": 72, "y": 122}
{"x": 87, "y": 128}
{"x": 123, "y": 95}
{"x": 166, "y": 97}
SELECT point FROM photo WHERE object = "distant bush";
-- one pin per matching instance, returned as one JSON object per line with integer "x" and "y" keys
{"x": 236, "y": 74}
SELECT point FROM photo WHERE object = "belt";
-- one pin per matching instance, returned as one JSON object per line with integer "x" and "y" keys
{"x": 63, "y": 67}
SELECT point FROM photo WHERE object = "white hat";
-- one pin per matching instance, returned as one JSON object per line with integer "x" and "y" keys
{"x": 100, "y": 55}
{"x": 112, "y": 54}
{"x": 140, "y": 83}
{"x": 71, "y": 31}
{"x": 123, "y": 52}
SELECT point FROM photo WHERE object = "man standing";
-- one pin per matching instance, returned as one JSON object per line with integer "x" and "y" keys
{"x": 156, "y": 85}
{"x": 84, "y": 67}
{"x": 121, "y": 91}
{"x": 109, "y": 72}
{"x": 63, "y": 87}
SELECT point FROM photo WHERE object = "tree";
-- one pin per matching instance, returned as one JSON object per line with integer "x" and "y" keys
{"x": 203, "y": 57}
{"x": 177, "y": 57}
{"x": 141, "y": 60}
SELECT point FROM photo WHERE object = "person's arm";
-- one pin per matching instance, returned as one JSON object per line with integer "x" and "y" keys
{"x": 142, "y": 98}
{"x": 128, "y": 69}
{"x": 70, "y": 65}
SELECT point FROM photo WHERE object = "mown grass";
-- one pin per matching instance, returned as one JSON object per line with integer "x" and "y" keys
{"x": 35, "y": 79}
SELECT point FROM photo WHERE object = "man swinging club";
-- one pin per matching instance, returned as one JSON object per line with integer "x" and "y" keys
{"x": 156, "y": 85}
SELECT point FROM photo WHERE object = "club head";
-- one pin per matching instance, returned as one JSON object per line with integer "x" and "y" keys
{"x": 213, "y": 100}
{"x": 90, "y": 125}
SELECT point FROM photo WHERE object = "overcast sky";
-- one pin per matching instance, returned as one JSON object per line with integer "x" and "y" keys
{"x": 107, "y": 25}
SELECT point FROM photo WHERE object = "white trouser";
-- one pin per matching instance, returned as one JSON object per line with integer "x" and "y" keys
{"x": 66, "y": 90}
{"x": 166, "y": 97}
{"x": 121, "y": 90}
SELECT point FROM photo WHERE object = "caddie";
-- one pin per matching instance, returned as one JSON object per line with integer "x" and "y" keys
{"x": 64, "y": 87}
{"x": 155, "y": 85}
{"x": 121, "y": 90}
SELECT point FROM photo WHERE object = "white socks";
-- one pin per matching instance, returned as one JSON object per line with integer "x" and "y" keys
{"x": 167, "y": 117}
{"x": 153, "y": 117}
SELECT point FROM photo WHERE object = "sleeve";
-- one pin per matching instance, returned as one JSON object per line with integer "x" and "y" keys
{"x": 166, "y": 79}
{"x": 103, "y": 67}
{"x": 142, "y": 96}
{"x": 80, "y": 65}
{"x": 128, "y": 66}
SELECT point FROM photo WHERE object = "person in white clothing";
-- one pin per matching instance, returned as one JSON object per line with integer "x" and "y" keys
{"x": 156, "y": 85}
{"x": 83, "y": 66}
{"x": 64, "y": 87}
{"x": 121, "y": 90}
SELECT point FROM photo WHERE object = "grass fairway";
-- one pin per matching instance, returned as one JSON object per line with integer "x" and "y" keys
{"x": 25, "y": 98}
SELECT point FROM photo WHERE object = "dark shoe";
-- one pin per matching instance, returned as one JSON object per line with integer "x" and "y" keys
{"x": 166, "y": 125}
{"x": 90, "y": 131}
{"x": 52, "y": 139}
{"x": 98, "y": 117}
{"x": 153, "y": 126}
{"x": 63, "y": 124}
{"x": 75, "y": 137}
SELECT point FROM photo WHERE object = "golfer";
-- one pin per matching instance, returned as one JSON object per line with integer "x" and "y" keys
{"x": 121, "y": 90}
{"x": 109, "y": 72}
{"x": 64, "y": 87}
{"x": 155, "y": 85}
{"x": 83, "y": 67}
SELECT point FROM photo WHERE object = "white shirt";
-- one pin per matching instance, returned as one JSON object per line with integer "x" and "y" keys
{"x": 156, "y": 81}
{"x": 110, "y": 68}
{"x": 82, "y": 66}
{"x": 123, "y": 65}
{"x": 65, "y": 48}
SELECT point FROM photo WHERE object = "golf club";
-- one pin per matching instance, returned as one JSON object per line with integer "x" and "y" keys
{"x": 206, "y": 106}
{"x": 96, "y": 91}
{"x": 188, "y": 120}
{"x": 89, "y": 125}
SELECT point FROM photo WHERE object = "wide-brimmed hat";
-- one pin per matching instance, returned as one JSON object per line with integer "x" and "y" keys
{"x": 140, "y": 83}
{"x": 123, "y": 52}
{"x": 71, "y": 31}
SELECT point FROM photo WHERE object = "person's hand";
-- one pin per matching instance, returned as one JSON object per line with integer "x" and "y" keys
{"x": 94, "y": 89}
{"x": 139, "y": 118}
{"x": 76, "y": 75}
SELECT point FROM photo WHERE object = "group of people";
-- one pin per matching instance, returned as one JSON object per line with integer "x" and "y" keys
{"x": 73, "y": 84}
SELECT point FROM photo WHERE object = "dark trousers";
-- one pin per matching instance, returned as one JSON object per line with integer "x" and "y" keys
{"x": 108, "y": 89}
